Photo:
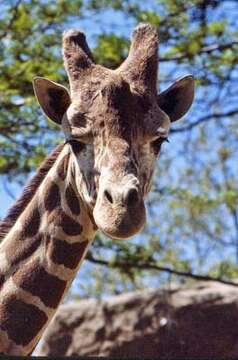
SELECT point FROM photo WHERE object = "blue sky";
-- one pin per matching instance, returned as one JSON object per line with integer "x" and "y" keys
{"x": 5, "y": 199}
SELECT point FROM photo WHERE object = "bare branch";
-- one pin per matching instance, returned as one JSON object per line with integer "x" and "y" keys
{"x": 8, "y": 191}
{"x": 204, "y": 119}
{"x": 154, "y": 266}
{"x": 206, "y": 49}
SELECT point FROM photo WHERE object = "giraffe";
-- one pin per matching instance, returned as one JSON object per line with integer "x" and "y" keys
{"x": 114, "y": 124}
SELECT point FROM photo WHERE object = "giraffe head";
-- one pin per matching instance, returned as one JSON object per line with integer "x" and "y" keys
{"x": 115, "y": 122}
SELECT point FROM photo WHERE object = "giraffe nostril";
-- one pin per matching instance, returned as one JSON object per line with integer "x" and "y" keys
{"x": 108, "y": 196}
{"x": 132, "y": 197}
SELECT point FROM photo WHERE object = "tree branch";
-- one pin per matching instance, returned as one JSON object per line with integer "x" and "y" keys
{"x": 204, "y": 119}
{"x": 206, "y": 49}
{"x": 13, "y": 18}
{"x": 154, "y": 266}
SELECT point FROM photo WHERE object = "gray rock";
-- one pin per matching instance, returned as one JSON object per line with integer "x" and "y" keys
{"x": 195, "y": 321}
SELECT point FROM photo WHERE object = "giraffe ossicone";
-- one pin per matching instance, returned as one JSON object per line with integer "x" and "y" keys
{"x": 114, "y": 124}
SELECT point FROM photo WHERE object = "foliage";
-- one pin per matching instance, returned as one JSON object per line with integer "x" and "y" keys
{"x": 193, "y": 216}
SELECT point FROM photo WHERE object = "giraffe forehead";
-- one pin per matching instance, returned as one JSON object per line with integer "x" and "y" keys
{"x": 120, "y": 114}
{"x": 110, "y": 94}
{"x": 111, "y": 107}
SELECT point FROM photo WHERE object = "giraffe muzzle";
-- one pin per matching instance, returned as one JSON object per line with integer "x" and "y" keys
{"x": 120, "y": 212}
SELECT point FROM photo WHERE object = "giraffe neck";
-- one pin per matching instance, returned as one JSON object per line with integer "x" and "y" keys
{"x": 40, "y": 255}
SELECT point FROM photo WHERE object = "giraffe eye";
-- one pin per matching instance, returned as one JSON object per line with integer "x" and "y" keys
{"x": 156, "y": 144}
{"x": 75, "y": 145}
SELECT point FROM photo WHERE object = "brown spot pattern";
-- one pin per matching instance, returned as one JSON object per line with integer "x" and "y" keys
{"x": 21, "y": 321}
{"x": 72, "y": 200}
{"x": 62, "y": 167}
{"x": 52, "y": 197}
{"x": 63, "y": 253}
{"x": 35, "y": 279}
{"x": 17, "y": 251}
{"x": 61, "y": 219}
{"x": 69, "y": 226}
{"x": 31, "y": 221}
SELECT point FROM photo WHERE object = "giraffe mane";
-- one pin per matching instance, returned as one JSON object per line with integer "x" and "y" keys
{"x": 28, "y": 192}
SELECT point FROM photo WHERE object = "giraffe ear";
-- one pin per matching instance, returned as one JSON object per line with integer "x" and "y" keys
{"x": 177, "y": 99}
{"x": 53, "y": 98}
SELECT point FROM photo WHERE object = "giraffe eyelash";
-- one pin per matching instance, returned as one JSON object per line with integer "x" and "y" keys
{"x": 156, "y": 144}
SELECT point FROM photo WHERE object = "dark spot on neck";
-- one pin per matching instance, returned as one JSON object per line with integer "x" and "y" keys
{"x": 72, "y": 200}
{"x": 34, "y": 278}
{"x": 31, "y": 220}
{"x": 67, "y": 254}
{"x": 52, "y": 196}
{"x": 20, "y": 249}
{"x": 20, "y": 320}
{"x": 62, "y": 166}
